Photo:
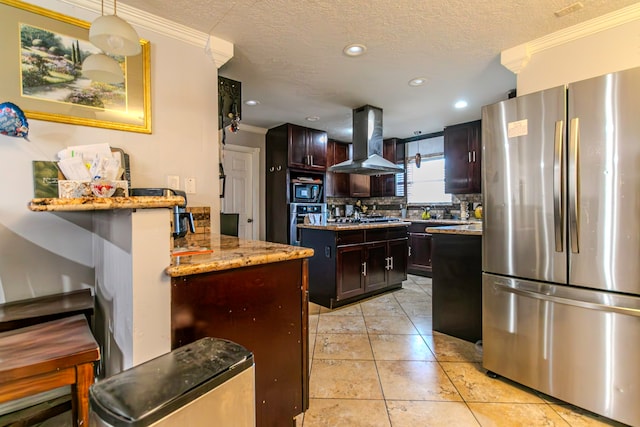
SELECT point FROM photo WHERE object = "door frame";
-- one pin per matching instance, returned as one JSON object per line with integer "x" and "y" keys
{"x": 255, "y": 184}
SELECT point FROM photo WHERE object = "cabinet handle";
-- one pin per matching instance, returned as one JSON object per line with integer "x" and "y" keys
{"x": 474, "y": 156}
{"x": 391, "y": 262}
{"x": 409, "y": 250}
{"x": 278, "y": 168}
{"x": 364, "y": 268}
{"x": 310, "y": 159}
{"x": 469, "y": 153}
{"x": 271, "y": 169}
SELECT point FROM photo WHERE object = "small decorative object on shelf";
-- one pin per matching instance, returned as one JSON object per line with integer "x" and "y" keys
{"x": 103, "y": 187}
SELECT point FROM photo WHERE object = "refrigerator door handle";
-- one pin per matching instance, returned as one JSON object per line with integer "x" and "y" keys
{"x": 558, "y": 179}
{"x": 574, "y": 142}
{"x": 567, "y": 301}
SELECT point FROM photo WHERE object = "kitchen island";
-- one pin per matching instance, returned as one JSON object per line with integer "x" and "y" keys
{"x": 353, "y": 261}
{"x": 253, "y": 293}
{"x": 457, "y": 280}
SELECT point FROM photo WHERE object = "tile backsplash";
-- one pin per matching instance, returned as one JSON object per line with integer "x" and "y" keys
{"x": 202, "y": 223}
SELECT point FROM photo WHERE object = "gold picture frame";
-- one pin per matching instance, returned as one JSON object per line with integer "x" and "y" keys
{"x": 44, "y": 78}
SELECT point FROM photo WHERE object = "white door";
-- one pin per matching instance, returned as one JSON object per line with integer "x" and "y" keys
{"x": 241, "y": 188}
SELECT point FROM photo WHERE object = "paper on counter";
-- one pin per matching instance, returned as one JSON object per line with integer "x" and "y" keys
{"x": 86, "y": 152}
{"x": 73, "y": 168}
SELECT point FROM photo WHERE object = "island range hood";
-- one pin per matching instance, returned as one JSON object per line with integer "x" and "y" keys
{"x": 367, "y": 146}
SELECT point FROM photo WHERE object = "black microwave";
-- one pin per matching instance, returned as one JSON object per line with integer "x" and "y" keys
{"x": 306, "y": 193}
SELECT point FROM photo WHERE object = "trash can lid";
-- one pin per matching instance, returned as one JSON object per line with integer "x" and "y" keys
{"x": 148, "y": 392}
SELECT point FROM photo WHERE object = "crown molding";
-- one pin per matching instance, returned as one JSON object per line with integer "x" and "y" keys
{"x": 220, "y": 51}
{"x": 516, "y": 58}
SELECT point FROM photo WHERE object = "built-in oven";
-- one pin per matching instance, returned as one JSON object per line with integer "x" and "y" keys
{"x": 297, "y": 214}
{"x": 303, "y": 192}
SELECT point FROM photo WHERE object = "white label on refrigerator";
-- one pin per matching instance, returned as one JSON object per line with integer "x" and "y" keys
{"x": 519, "y": 128}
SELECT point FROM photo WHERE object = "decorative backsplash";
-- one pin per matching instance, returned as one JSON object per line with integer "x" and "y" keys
{"x": 202, "y": 223}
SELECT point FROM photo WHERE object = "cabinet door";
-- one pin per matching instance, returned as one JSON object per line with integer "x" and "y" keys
{"x": 349, "y": 271}
{"x": 419, "y": 261}
{"x": 397, "y": 266}
{"x": 359, "y": 185}
{"x": 462, "y": 158}
{"x": 385, "y": 185}
{"x": 337, "y": 184}
{"x": 376, "y": 266}
{"x": 317, "y": 149}
{"x": 297, "y": 141}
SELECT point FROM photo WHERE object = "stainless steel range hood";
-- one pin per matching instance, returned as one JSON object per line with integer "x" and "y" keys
{"x": 367, "y": 146}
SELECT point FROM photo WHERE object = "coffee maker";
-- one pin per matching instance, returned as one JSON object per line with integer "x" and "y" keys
{"x": 182, "y": 220}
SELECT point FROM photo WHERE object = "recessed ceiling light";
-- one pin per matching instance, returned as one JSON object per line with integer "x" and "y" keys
{"x": 418, "y": 81}
{"x": 251, "y": 102}
{"x": 313, "y": 118}
{"x": 461, "y": 104}
{"x": 354, "y": 49}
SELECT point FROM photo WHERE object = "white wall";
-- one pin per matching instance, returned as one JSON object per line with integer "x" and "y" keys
{"x": 604, "y": 52}
{"x": 44, "y": 253}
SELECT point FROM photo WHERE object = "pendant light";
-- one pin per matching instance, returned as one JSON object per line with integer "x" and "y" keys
{"x": 102, "y": 68}
{"x": 114, "y": 35}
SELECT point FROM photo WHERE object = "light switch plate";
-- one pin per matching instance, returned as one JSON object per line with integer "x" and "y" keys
{"x": 190, "y": 185}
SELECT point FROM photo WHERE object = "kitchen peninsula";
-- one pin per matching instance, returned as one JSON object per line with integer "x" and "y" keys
{"x": 352, "y": 261}
{"x": 250, "y": 292}
{"x": 457, "y": 280}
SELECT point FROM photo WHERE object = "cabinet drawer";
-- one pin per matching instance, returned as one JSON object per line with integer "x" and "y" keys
{"x": 349, "y": 237}
{"x": 379, "y": 234}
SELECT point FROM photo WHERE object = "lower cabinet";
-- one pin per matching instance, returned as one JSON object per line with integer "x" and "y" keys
{"x": 419, "y": 254}
{"x": 457, "y": 285}
{"x": 353, "y": 264}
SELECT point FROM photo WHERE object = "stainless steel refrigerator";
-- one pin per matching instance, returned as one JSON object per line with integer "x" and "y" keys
{"x": 561, "y": 242}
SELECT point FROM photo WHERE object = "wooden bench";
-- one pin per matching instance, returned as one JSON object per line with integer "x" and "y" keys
{"x": 19, "y": 314}
{"x": 47, "y": 356}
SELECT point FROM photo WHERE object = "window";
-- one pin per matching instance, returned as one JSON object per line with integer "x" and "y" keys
{"x": 425, "y": 185}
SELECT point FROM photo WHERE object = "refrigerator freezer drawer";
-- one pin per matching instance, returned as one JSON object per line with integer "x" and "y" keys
{"x": 577, "y": 345}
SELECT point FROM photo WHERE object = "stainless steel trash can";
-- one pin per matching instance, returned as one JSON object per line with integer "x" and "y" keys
{"x": 208, "y": 382}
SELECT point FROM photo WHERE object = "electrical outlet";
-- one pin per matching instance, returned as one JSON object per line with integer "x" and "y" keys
{"x": 190, "y": 185}
{"x": 173, "y": 182}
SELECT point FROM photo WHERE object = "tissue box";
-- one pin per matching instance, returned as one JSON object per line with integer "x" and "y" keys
{"x": 68, "y": 189}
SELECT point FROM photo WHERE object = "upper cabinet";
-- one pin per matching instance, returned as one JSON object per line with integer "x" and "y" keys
{"x": 337, "y": 184}
{"x": 307, "y": 148}
{"x": 385, "y": 185}
{"x": 462, "y": 153}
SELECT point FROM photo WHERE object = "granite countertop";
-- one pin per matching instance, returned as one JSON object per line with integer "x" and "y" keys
{"x": 104, "y": 203}
{"x": 355, "y": 226}
{"x": 447, "y": 221}
{"x": 474, "y": 229}
{"x": 232, "y": 252}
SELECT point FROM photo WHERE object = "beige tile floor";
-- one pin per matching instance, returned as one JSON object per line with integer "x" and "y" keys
{"x": 377, "y": 363}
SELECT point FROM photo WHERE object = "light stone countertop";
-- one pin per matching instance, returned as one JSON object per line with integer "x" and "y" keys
{"x": 446, "y": 221}
{"x": 103, "y": 203}
{"x": 355, "y": 226}
{"x": 474, "y": 229}
{"x": 233, "y": 252}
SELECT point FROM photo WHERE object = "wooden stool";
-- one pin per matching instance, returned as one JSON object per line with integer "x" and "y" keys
{"x": 50, "y": 355}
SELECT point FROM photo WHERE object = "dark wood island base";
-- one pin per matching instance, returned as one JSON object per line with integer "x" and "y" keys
{"x": 355, "y": 261}
{"x": 263, "y": 308}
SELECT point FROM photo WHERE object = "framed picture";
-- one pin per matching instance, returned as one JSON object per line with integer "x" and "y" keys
{"x": 42, "y": 72}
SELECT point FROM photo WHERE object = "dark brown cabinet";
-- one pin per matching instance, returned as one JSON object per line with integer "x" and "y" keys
{"x": 359, "y": 185}
{"x": 419, "y": 254}
{"x": 462, "y": 153}
{"x": 420, "y": 244}
{"x": 352, "y": 264}
{"x": 385, "y": 185}
{"x": 457, "y": 285}
{"x": 307, "y": 148}
{"x": 263, "y": 308}
{"x": 337, "y": 184}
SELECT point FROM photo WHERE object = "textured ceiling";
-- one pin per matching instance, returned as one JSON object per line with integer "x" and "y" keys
{"x": 288, "y": 54}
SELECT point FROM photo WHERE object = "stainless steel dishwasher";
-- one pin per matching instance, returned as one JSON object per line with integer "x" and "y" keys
{"x": 208, "y": 382}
